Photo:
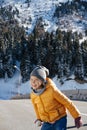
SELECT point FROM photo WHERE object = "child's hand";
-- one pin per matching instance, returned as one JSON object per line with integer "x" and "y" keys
{"x": 38, "y": 122}
{"x": 78, "y": 122}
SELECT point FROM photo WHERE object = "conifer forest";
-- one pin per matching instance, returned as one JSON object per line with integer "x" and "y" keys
{"x": 60, "y": 51}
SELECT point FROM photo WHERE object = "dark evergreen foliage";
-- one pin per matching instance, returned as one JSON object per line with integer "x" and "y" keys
{"x": 70, "y": 8}
{"x": 60, "y": 52}
{"x": 10, "y": 35}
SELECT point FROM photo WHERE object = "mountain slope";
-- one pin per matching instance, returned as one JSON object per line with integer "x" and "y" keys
{"x": 28, "y": 11}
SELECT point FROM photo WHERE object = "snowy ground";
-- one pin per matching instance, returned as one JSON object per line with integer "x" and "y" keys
{"x": 20, "y": 115}
{"x": 28, "y": 15}
{"x": 11, "y": 87}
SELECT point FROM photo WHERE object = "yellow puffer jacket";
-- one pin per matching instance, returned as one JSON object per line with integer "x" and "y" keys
{"x": 51, "y": 104}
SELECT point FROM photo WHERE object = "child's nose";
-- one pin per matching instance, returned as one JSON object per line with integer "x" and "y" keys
{"x": 33, "y": 82}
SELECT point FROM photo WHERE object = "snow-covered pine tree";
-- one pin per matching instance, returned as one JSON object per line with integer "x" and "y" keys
{"x": 84, "y": 54}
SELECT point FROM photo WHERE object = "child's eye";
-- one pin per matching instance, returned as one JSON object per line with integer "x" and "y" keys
{"x": 36, "y": 80}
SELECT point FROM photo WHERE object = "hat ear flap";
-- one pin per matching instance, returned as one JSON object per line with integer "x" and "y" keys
{"x": 47, "y": 72}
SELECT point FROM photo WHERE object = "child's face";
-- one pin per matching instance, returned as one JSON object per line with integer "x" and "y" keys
{"x": 35, "y": 82}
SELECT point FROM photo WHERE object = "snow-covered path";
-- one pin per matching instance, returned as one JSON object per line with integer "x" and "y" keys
{"x": 19, "y": 115}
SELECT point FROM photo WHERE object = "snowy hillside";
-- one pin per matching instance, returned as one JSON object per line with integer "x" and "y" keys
{"x": 11, "y": 87}
{"x": 29, "y": 13}
{"x": 30, "y": 10}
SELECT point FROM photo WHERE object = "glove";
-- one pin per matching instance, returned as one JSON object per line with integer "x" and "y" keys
{"x": 38, "y": 122}
{"x": 78, "y": 122}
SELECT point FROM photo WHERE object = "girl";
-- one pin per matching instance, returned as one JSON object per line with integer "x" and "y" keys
{"x": 50, "y": 104}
